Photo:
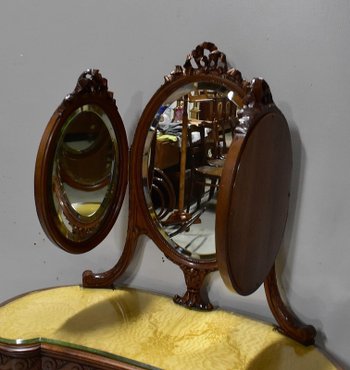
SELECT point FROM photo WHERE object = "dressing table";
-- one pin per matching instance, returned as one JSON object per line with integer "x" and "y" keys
{"x": 220, "y": 202}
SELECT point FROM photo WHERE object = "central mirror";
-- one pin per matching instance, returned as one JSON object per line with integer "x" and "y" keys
{"x": 183, "y": 158}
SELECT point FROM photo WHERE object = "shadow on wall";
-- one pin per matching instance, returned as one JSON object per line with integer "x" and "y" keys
{"x": 286, "y": 255}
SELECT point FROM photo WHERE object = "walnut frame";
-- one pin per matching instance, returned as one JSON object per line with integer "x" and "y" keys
{"x": 91, "y": 88}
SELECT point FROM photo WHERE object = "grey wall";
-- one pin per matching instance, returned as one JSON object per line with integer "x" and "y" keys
{"x": 300, "y": 48}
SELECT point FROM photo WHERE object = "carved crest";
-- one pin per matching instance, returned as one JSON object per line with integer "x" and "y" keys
{"x": 257, "y": 100}
{"x": 90, "y": 82}
{"x": 206, "y": 59}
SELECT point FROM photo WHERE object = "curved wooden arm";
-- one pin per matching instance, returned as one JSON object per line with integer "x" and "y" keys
{"x": 289, "y": 323}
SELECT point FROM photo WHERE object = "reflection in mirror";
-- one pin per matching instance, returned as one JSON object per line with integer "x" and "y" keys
{"x": 183, "y": 158}
{"x": 85, "y": 164}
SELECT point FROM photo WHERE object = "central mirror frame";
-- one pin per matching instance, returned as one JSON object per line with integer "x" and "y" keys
{"x": 194, "y": 270}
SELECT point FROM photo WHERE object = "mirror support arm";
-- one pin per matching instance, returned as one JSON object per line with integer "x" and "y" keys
{"x": 106, "y": 279}
{"x": 288, "y": 322}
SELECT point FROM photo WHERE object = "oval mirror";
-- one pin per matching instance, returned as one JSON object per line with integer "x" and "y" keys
{"x": 177, "y": 156}
{"x": 81, "y": 167}
{"x": 183, "y": 157}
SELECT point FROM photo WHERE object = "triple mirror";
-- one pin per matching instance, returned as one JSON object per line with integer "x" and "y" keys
{"x": 209, "y": 179}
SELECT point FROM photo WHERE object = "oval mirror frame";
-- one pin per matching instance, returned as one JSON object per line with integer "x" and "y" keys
{"x": 254, "y": 193}
{"x": 198, "y": 68}
{"x": 91, "y": 91}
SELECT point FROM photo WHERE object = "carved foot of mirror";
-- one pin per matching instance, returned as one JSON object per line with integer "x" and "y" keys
{"x": 193, "y": 297}
{"x": 209, "y": 178}
{"x": 289, "y": 324}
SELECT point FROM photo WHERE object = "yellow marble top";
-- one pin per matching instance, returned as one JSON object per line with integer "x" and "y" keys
{"x": 151, "y": 329}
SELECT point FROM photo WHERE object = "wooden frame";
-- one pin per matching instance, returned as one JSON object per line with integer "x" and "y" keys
{"x": 253, "y": 202}
{"x": 40, "y": 355}
{"x": 91, "y": 89}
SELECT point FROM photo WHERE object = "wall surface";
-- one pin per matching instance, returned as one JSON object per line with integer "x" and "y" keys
{"x": 300, "y": 48}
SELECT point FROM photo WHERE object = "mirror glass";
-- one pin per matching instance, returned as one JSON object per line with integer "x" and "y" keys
{"x": 183, "y": 157}
{"x": 84, "y": 170}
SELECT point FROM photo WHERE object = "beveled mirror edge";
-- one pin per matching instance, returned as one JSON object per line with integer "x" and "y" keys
{"x": 91, "y": 88}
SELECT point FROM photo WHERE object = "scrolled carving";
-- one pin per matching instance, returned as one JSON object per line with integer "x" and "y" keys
{"x": 43, "y": 356}
{"x": 177, "y": 72}
{"x": 258, "y": 94}
{"x": 13, "y": 363}
{"x": 236, "y": 76}
{"x": 194, "y": 279}
{"x": 50, "y": 363}
{"x": 257, "y": 101}
{"x": 90, "y": 81}
{"x": 206, "y": 59}
{"x": 214, "y": 61}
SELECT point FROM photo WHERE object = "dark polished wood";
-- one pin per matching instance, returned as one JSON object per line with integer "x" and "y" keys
{"x": 289, "y": 323}
{"x": 253, "y": 206}
{"x": 38, "y": 356}
{"x": 253, "y": 203}
{"x": 91, "y": 89}
{"x": 193, "y": 297}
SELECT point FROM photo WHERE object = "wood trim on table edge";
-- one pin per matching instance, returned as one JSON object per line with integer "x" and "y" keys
{"x": 40, "y": 355}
